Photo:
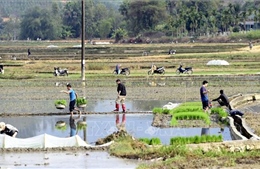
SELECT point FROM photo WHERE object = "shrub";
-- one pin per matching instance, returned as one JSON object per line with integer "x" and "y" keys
{"x": 81, "y": 101}
{"x": 251, "y": 35}
{"x": 60, "y": 102}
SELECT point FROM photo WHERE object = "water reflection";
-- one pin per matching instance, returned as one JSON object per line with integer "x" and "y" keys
{"x": 99, "y": 126}
{"x": 121, "y": 126}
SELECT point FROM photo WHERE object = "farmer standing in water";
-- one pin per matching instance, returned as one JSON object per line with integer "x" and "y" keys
{"x": 73, "y": 97}
{"x": 121, "y": 94}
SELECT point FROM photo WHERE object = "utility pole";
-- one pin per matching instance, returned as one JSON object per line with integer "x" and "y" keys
{"x": 83, "y": 41}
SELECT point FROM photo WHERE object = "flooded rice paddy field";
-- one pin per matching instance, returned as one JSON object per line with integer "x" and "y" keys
{"x": 100, "y": 126}
{"x": 37, "y": 97}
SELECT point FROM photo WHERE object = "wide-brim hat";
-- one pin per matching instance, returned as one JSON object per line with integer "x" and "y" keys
{"x": 2, "y": 126}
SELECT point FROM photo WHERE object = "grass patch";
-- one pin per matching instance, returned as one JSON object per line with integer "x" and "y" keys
{"x": 135, "y": 149}
{"x": 97, "y": 66}
{"x": 250, "y": 35}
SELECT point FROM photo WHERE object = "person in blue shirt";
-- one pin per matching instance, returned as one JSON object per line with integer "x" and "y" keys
{"x": 204, "y": 96}
{"x": 73, "y": 97}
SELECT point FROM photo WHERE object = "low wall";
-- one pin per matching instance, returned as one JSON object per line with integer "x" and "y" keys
{"x": 245, "y": 132}
{"x": 235, "y": 134}
{"x": 244, "y": 99}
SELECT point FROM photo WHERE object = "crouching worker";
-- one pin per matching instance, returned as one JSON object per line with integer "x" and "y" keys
{"x": 8, "y": 129}
{"x": 223, "y": 100}
{"x": 235, "y": 112}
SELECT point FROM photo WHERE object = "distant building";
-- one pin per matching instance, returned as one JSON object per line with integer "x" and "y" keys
{"x": 249, "y": 25}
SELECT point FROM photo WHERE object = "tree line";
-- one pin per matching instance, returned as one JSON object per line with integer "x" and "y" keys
{"x": 52, "y": 19}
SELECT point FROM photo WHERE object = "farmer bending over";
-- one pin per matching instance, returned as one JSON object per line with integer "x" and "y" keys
{"x": 223, "y": 100}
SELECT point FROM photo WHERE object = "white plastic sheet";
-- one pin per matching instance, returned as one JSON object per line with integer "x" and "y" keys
{"x": 217, "y": 62}
{"x": 41, "y": 141}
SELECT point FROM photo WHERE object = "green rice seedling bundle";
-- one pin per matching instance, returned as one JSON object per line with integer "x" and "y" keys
{"x": 145, "y": 140}
{"x": 196, "y": 139}
{"x": 81, "y": 101}
{"x": 219, "y": 138}
{"x": 155, "y": 141}
{"x": 219, "y": 111}
{"x": 203, "y": 139}
{"x": 182, "y": 109}
{"x": 192, "y": 116}
{"x": 60, "y": 102}
{"x": 197, "y": 104}
{"x": 174, "y": 121}
{"x": 158, "y": 110}
{"x": 166, "y": 111}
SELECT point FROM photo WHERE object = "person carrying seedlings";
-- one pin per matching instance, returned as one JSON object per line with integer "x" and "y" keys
{"x": 204, "y": 96}
{"x": 223, "y": 100}
{"x": 73, "y": 125}
{"x": 121, "y": 94}
{"x": 8, "y": 129}
{"x": 73, "y": 97}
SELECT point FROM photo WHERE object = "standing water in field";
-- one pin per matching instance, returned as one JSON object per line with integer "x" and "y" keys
{"x": 100, "y": 126}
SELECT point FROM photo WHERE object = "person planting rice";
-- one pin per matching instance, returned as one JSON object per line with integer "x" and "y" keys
{"x": 223, "y": 100}
{"x": 8, "y": 129}
{"x": 73, "y": 97}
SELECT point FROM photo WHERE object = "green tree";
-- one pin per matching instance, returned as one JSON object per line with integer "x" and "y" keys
{"x": 72, "y": 18}
{"x": 38, "y": 23}
{"x": 104, "y": 28}
{"x": 143, "y": 15}
{"x": 119, "y": 34}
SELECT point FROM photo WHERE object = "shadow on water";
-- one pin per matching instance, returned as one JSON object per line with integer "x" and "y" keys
{"x": 99, "y": 126}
